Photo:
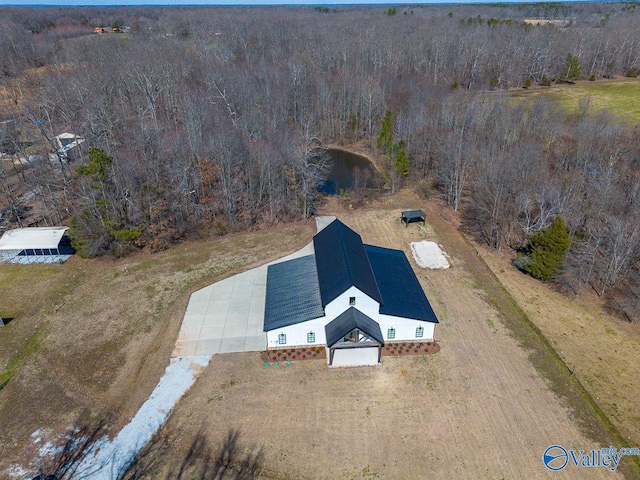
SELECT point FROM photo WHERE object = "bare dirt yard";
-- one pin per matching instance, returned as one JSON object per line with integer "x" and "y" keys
{"x": 477, "y": 409}
{"x": 90, "y": 339}
{"x": 600, "y": 349}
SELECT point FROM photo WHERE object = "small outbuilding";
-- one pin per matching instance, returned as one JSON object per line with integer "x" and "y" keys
{"x": 35, "y": 245}
{"x": 410, "y": 216}
{"x": 66, "y": 147}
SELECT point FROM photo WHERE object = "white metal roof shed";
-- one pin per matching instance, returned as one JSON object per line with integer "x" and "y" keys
{"x": 32, "y": 238}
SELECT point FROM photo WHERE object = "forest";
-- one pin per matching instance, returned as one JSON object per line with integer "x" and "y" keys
{"x": 207, "y": 120}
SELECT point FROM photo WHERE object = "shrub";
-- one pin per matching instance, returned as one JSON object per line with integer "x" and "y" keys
{"x": 454, "y": 86}
{"x": 545, "y": 81}
{"x": 592, "y": 78}
{"x": 547, "y": 250}
{"x": 632, "y": 72}
{"x": 527, "y": 82}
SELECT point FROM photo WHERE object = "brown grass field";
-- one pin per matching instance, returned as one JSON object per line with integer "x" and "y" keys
{"x": 477, "y": 409}
{"x": 93, "y": 337}
{"x": 601, "y": 349}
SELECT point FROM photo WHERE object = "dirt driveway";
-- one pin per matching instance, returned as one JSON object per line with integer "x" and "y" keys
{"x": 477, "y": 409}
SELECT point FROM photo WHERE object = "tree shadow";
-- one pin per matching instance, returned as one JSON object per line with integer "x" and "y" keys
{"x": 158, "y": 459}
{"x": 231, "y": 461}
{"x": 79, "y": 443}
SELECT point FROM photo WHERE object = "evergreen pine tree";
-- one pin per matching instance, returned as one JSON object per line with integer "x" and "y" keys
{"x": 385, "y": 137}
{"x": 547, "y": 250}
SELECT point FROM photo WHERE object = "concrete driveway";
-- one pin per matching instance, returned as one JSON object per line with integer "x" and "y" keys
{"x": 228, "y": 316}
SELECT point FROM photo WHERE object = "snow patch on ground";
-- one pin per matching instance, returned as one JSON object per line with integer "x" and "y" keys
{"x": 37, "y": 435}
{"x": 16, "y": 471}
{"x": 49, "y": 449}
{"x": 113, "y": 457}
{"x": 108, "y": 459}
{"x": 429, "y": 255}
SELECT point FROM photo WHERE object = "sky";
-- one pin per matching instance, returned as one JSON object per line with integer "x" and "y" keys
{"x": 244, "y": 2}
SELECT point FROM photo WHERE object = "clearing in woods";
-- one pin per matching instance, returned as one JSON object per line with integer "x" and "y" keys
{"x": 621, "y": 96}
{"x": 477, "y": 409}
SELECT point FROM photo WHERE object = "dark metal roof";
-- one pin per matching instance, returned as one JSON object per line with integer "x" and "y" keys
{"x": 342, "y": 262}
{"x": 402, "y": 294}
{"x": 348, "y": 321}
{"x": 293, "y": 294}
{"x": 413, "y": 214}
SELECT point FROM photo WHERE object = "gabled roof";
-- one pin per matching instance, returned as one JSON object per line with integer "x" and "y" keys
{"x": 32, "y": 238}
{"x": 342, "y": 262}
{"x": 293, "y": 295}
{"x": 402, "y": 294}
{"x": 349, "y": 321}
{"x": 411, "y": 214}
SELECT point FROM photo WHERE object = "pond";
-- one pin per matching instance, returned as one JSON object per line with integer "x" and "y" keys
{"x": 349, "y": 170}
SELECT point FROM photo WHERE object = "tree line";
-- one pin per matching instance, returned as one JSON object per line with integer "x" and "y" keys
{"x": 213, "y": 118}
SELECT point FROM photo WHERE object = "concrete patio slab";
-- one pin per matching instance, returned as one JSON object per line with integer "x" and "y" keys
{"x": 228, "y": 316}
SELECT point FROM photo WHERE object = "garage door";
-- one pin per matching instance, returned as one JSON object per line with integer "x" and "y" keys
{"x": 355, "y": 357}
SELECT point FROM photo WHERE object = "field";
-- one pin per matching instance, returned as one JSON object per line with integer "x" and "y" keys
{"x": 93, "y": 337}
{"x": 90, "y": 338}
{"x": 600, "y": 349}
{"x": 621, "y": 97}
{"x": 477, "y": 409}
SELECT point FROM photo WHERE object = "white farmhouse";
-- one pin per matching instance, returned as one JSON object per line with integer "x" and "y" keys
{"x": 347, "y": 296}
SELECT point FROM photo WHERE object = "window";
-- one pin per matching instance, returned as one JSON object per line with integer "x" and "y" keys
{"x": 391, "y": 333}
{"x": 419, "y": 332}
{"x": 282, "y": 338}
{"x": 311, "y": 337}
{"x": 352, "y": 301}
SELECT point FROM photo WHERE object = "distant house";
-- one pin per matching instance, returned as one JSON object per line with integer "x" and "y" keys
{"x": 347, "y": 296}
{"x": 100, "y": 30}
{"x": 65, "y": 145}
{"x": 35, "y": 245}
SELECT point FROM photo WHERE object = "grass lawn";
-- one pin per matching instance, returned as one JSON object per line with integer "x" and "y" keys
{"x": 91, "y": 338}
{"x": 461, "y": 413}
{"x": 621, "y": 96}
{"x": 601, "y": 350}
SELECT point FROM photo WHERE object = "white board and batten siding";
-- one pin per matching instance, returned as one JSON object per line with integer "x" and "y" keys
{"x": 363, "y": 302}
{"x": 297, "y": 335}
{"x": 405, "y": 328}
{"x": 355, "y": 357}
